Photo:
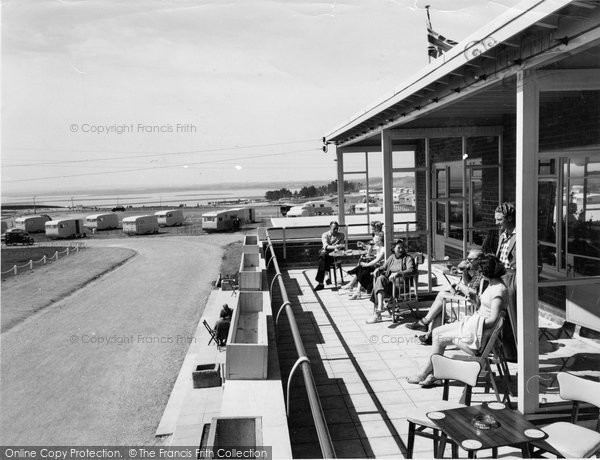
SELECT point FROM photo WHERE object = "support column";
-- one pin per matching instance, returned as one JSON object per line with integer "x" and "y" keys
{"x": 463, "y": 141}
{"x": 388, "y": 190}
{"x": 340, "y": 187}
{"x": 526, "y": 228}
{"x": 428, "y": 213}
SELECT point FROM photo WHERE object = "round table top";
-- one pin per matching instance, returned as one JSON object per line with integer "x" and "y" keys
{"x": 348, "y": 252}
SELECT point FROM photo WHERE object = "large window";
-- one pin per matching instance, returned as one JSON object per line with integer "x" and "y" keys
{"x": 569, "y": 214}
{"x": 465, "y": 193}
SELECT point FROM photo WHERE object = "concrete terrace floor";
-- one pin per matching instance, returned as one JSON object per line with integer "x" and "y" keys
{"x": 360, "y": 371}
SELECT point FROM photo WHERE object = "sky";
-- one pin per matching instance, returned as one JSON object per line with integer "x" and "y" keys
{"x": 102, "y": 94}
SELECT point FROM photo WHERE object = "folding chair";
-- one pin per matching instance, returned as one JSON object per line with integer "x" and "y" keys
{"x": 212, "y": 332}
{"x": 567, "y": 439}
{"x": 446, "y": 369}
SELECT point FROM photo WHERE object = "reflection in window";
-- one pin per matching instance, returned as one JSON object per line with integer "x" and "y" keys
{"x": 476, "y": 194}
{"x": 440, "y": 183}
{"x": 456, "y": 220}
{"x": 581, "y": 215}
{"x": 440, "y": 210}
{"x": 569, "y": 217}
{"x": 456, "y": 178}
{"x": 547, "y": 212}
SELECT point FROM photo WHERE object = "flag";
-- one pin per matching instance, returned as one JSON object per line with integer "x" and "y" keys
{"x": 437, "y": 44}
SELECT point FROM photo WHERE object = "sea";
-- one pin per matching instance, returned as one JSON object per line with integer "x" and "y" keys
{"x": 191, "y": 197}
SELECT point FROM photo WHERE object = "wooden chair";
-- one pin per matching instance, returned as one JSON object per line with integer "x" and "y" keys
{"x": 445, "y": 369}
{"x": 567, "y": 439}
{"x": 405, "y": 293}
{"x": 491, "y": 352}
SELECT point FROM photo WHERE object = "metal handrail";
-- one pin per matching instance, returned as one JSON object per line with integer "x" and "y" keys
{"x": 316, "y": 409}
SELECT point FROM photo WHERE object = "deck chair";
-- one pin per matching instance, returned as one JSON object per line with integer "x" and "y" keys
{"x": 212, "y": 333}
{"x": 405, "y": 293}
{"x": 491, "y": 353}
{"x": 445, "y": 369}
{"x": 567, "y": 439}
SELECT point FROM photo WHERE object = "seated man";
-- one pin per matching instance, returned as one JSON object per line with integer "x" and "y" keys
{"x": 222, "y": 324}
{"x": 467, "y": 288}
{"x": 332, "y": 240}
{"x": 400, "y": 264}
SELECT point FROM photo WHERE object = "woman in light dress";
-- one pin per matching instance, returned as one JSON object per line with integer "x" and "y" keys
{"x": 472, "y": 331}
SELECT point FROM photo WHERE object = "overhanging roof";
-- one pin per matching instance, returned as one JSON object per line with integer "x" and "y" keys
{"x": 476, "y": 77}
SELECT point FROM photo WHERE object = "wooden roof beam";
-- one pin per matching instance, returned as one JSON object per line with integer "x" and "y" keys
{"x": 546, "y": 25}
{"x": 583, "y": 4}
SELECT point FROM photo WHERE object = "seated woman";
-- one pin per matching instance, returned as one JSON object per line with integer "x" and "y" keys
{"x": 472, "y": 331}
{"x": 364, "y": 271}
{"x": 466, "y": 288}
{"x": 400, "y": 264}
{"x": 222, "y": 324}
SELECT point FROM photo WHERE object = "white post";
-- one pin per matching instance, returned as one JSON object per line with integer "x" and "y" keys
{"x": 340, "y": 188}
{"x": 44, "y": 259}
{"x": 67, "y": 250}
{"x": 30, "y": 264}
{"x": 526, "y": 229}
{"x": 464, "y": 188}
{"x": 15, "y": 269}
{"x": 55, "y": 255}
{"x": 428, "y": 213}
{"x": 388, "y": 192}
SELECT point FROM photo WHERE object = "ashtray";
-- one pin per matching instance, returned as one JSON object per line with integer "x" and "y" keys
{"x": 484, "y": 422}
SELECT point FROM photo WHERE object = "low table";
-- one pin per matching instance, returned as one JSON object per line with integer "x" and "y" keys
{"x": 513, "y": 429}
{"x": 344, "y": 256}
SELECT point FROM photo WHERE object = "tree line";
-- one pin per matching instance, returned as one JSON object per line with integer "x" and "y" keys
{"x": 309, "y": 191}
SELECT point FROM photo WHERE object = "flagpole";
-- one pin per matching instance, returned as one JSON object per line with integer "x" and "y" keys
{"x": 429, "y": 26}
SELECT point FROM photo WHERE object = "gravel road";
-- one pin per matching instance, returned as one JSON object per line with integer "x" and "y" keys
{"x": 97, "y": 367}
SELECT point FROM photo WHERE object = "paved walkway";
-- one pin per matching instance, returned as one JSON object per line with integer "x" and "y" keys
{"x": 360, "y": 371}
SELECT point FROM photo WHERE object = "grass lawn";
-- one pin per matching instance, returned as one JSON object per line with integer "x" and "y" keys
{"x": 232, "y": 256}
{"x": 25, "y": 294}
{"x": 22, "y": 255}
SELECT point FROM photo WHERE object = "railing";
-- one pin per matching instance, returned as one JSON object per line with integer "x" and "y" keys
{"x": 303, "y": 362}
{"x": 304, "y": 233}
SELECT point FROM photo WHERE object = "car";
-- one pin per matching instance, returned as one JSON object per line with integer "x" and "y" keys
{"x": 16, "y": 236}
{"x": 118, "y": 208}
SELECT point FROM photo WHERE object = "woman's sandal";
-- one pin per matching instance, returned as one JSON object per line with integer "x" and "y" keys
{"x": 418, "y": 326}
{"x": 415, "y": 379}
{"x": 429, "y": 381}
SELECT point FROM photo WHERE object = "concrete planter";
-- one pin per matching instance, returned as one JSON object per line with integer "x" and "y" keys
{"x": 238, "y": 432}
{"x": 207, "y": 375}
{"x": 248, "y": 342}
{"x": 252, "y": 267}
{"x": 252, "y": 245}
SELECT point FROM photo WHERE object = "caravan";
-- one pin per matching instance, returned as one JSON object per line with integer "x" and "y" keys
{"x": 102, "y": 221}
{"x": 225, "y": 219}
{"x": 140, "y": 225}
{"x": 65, "y": 228}
{"x": 32, "y": 224}
{"x": 311, "y": 208}
{"x": 170, "y": 218}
